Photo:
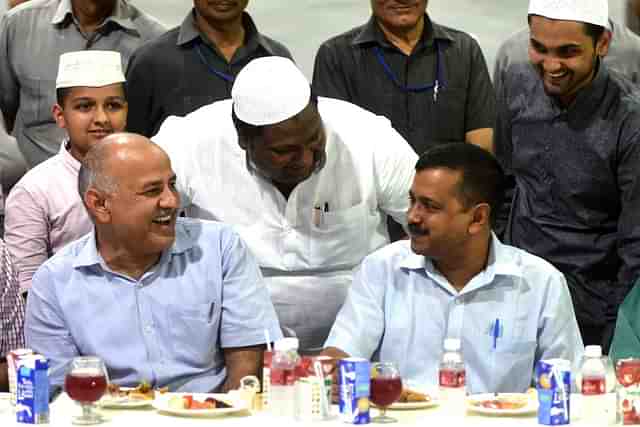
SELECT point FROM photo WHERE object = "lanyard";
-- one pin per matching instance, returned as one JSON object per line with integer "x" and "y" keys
{"x": 223, "y": 76}
{"x": 437, "y": 84}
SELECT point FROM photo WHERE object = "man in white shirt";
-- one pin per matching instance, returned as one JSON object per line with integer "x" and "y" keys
{"x": 307, "y": 182}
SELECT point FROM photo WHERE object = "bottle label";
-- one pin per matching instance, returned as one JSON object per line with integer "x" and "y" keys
{"x": 451, "y": 378}
{"x": 593, "y": 385}
{"x": 283, "y": 376}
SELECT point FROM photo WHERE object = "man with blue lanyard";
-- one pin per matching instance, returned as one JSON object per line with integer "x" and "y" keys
{"x": 194, "y": 64}
{"x": 568, "y": 131}
{"x": 431, "y": 81}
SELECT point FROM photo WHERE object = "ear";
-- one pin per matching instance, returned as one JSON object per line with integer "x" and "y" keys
{"x": 98, "y": 206}
{"x": 481, "y": 218}
{"x": 58, "y": 116}
{"x": 602, "y": 47}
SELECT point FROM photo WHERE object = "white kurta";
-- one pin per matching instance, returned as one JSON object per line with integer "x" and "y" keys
{"x": 306, "y": 254}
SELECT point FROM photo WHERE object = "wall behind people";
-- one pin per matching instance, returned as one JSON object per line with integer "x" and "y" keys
{"x": 490, "y": 20}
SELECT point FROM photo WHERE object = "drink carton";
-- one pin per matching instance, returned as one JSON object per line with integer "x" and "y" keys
{"x": 354, "y": 388}
{"x": 553, "y": 382}
{"x": 32, "y": 405}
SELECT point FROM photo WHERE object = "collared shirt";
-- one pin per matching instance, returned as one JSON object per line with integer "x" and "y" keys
{"x": 621, "y": 57}
{"x": 347, "y": 67}
{"x": 182, "y": 71}
{"x": 307, "y": 244}
{"x": 170, "y": 327}
{"x": 401, "y": 308}
{"x": 577, "y": 193}
{"x": 32, "y": 38}
{"x": 11, "y": 305}
{"x": 626, "y": 340}
{"x": 44, "y": 212}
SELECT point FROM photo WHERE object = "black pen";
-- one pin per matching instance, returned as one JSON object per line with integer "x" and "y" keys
{"x": 326, "y": 206}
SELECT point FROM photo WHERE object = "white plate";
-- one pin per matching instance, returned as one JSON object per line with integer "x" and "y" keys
{"x": 530, "y": 408}
{"x": 123, "y": 402}
{"x": 162, "y": 405}
{"x": 414, "y": 405}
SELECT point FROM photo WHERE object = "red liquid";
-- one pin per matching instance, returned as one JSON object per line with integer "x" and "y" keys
{"x": 451, "y": 378}
{"x": 385, "y": 391}
{"x": 593, "y": 386}
{"x": 85, "y": 388}
{"x": 628, "y": 372}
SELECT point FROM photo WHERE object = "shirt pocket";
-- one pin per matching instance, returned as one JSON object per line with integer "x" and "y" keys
{"x": 513, "y": 366}
{"x": 340, "y": 238}
{"x": 194, "y": 332}
{"x": 449, "y": 120}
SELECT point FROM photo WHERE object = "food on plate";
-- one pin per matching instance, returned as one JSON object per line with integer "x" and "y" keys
{"x": 142, "y": 391}
{"x": 187, "y": 401}
{"x": 503, "y": 402}
{"x": 410, "y": 396}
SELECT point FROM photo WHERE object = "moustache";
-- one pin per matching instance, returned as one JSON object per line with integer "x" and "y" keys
{"x": 414, "y": 230}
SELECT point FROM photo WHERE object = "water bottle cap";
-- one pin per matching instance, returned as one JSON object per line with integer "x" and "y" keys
{"x": 286, "y": 344}
{"x": 593, "y": 351}
{"x": 452, "y": 344}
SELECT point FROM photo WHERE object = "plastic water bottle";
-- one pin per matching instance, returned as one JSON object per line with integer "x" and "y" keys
{"x": 283, "y": 377}
{"x": 452, "y": 374}
{"x": 593, "y": 385}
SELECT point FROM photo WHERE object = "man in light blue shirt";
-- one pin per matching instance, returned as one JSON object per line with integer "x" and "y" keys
{"x": 455, "y": 279}
{"x": 179, "y": 303}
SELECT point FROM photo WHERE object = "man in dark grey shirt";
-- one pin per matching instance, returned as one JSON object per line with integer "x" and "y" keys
{"x": 194, "y": 64}
{"x": 568, "y": 130}
{"x": 431, "y": 81}
{"x": 32, "y": 38}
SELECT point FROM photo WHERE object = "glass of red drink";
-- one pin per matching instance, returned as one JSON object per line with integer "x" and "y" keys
{"x": 86, "y": 382}
{"x": 386, "y": 388}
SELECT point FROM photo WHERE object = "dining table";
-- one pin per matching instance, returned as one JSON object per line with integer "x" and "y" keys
{"x": 62, "y": 409}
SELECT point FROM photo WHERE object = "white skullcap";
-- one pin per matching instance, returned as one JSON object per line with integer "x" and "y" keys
{"x": 269, "y": 90}
{"x": 89, "y": 68}
{"x": 590, "y": 11}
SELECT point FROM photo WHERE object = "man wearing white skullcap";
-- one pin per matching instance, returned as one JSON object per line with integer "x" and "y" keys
{"x": 567, "y": 132}
{"x": 44, "y": 211}
{"x": 307, "y": 182}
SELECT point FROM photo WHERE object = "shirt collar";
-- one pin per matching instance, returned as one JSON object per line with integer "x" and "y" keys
{"x": 120, "y": 15}
{"x": 371, "y": 33}
{"x": 68, "y": 159}
{"x": 189, "y": 32}
{"x": 500, "y": 263}
{"x": 90, "y": 256}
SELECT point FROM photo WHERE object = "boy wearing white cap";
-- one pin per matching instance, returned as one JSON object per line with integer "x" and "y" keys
{"x": 567, "y": 132}
{"x": 307, "y": 182}
{"x": 44, "y": 211}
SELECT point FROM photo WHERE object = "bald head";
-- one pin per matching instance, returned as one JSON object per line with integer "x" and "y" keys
{"x": 107, "y": 162}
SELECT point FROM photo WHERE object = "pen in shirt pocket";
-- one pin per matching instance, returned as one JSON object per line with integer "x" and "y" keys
{"x": 496, "y": 332}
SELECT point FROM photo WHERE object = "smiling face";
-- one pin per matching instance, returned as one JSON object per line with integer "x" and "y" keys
{"x": 219, "y": 11}
{"x": 437, "y": 219}
{"x": 290, "y": 151}
{"x": 400, "y": 15}
{"x": 91, "y": 113}
{"x": 564, "y": 55}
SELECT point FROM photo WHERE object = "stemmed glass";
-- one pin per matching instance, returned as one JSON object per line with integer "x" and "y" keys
{"x": 86, "y": 382}
{"x": 386, "y": 388}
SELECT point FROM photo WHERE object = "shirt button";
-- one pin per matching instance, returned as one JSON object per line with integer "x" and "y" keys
{"x": 148, "y": 329}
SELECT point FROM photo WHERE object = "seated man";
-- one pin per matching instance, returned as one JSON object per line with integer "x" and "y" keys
{"x": 44, "y": 211}
{"x": 307, "y": 182}
{"x": 11, "y": 313}
{"x": 455, "y": 279}
{"x": 626, "y": 339}
{"x": 175, "y": 302}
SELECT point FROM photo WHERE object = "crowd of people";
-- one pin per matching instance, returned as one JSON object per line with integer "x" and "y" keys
{"x": 173, "y": 198}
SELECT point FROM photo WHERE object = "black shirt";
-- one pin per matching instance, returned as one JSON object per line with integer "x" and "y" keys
{"x": 347, "y": 67}
{"x": 577, "y": 193}
{"x": 182, "y": 70}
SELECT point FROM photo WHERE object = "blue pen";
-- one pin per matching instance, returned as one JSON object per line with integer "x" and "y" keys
{"x": 496, "y": 333}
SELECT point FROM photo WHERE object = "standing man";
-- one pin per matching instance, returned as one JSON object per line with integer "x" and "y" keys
{"x": 194, "y": 64}
{"x": 32, "y": 38}
{"x": 307, "y": 182}
{"x": 44, "y": 211}
{"x": 431, "y": 81}
{"x": 178, "y": 302}
{"x": 568, "y": 132}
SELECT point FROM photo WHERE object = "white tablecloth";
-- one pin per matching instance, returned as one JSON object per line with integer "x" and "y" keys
{"x": 63, "y": 409}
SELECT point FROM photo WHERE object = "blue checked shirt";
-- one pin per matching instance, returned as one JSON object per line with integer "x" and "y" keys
{"x": 400, "y": 309}
{"x": 169, "y": 327}
{"x": 11, "y": 305}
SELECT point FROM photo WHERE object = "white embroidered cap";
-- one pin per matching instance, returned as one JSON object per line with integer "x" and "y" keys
{"x": 89, "y": 68}
{"x": 269, "y": 90}
{"x": 590, "y": 11}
